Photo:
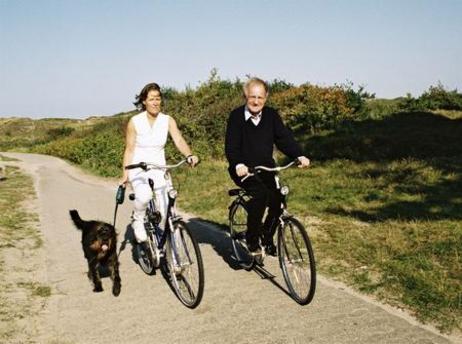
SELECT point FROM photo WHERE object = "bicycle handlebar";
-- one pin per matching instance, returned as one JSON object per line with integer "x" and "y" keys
{"x": 150, "y": 166}
{"x": 273, "y": 169}
{"x": 256, "y": 169}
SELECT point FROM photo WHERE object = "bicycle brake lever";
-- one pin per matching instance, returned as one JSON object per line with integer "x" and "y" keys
{"x": 247, "y": 176}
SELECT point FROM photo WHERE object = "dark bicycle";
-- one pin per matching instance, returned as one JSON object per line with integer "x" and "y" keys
{"x": 296, "y": 257}
{"x": 174, "y": 247}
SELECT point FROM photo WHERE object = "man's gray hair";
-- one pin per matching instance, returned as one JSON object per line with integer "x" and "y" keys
{"x": 255, "y": 81}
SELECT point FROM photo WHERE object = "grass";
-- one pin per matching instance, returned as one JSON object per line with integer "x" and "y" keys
{"x": 5, "y": 158}
{"x": 19, "y": 238}
{"x": 203, "y": 190}
{"x": 36, "y": 289}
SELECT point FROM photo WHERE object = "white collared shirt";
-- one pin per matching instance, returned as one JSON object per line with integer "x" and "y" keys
{"x": 255, "y": 118}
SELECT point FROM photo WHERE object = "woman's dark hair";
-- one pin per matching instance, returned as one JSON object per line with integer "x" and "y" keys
{"x": 140, "y": 98}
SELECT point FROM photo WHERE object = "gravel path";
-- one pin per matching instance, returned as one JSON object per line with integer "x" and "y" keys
{"x": 238, "y": 306}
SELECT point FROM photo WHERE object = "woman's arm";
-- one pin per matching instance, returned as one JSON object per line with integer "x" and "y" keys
{"x": 180, "y": 142}
{"x": 129, "y": 149}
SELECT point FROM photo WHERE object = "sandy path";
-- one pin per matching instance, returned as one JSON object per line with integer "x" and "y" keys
{"x": 238, "y": 306}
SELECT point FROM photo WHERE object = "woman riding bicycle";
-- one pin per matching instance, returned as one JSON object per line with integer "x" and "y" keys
{"x": 251, "y": 132}
{"x": 145, "y": 140}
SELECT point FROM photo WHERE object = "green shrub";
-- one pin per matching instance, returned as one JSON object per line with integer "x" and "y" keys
{"x": 438, "y": 98}
{"x": 435, "y": 98}
{"x": 202, "y": 113}
{"x": 99, "y": 148}
{"x": 380, "y": 108}
{"x": 54, "y": 133}
{"x": 312, "y": 108}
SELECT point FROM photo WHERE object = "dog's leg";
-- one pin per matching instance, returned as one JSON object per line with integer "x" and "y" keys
{"x": 116, "y": 281}
{"x": 93, "y": 273}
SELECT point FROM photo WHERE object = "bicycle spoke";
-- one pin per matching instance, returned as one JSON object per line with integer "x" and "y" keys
{"x": 145, "y": 259}
{"x": 185, "y": 266}
{"x": 297, "y": 261}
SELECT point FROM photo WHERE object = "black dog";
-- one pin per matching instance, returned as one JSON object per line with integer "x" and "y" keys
{"x": 99, "y": 243}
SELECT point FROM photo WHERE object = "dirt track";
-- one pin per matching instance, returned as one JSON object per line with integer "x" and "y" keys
{"x": 238, "y": 306}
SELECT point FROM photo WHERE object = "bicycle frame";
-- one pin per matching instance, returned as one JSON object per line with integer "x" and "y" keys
{"x": 181, "y": 252}
{"x": 171, "y": 216}
{"x": 253, "y": 172}
{"x": 294, "y": 250}
{"x": 160, "y": 235}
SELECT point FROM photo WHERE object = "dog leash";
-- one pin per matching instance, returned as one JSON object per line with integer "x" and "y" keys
{"x": 120, "y": 196}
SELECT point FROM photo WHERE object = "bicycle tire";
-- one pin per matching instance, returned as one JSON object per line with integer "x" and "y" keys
{"x": 296, "y": 258}
{"x": 145, "y": 260}
{"x": 188, "y": 284}
{"x": 237, "y": 228}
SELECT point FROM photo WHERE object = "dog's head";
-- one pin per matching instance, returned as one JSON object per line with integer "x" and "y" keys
{"x": 105, "y": 237}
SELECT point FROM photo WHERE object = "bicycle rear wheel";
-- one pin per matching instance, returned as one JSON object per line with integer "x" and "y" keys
{"x": 237, "y": 228}
{"x": 185, "y": 265}
{"x": 296, "y": 258}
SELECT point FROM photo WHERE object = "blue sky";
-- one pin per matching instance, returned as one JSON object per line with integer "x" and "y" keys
{"x": 77, "y": 58}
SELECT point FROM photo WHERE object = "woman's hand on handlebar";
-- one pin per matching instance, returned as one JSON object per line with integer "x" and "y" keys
{"x": 303, "y": 162}
{"x": 192, "y": 160}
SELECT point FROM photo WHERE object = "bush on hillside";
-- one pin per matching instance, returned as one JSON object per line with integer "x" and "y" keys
{"x": 310, "y": 107}
{"x": 435, "y": 98}
{"x": 380, "y": 108}
{"x": 99, "y": 148}
{"x": 55, "y": 133}
{"x": 418, "y": 135}
{"x": 438, "y": 98}
{"x": 202, "y": 113}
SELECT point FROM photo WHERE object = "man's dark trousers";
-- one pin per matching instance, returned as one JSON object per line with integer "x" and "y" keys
{"x": 263, "y": 193}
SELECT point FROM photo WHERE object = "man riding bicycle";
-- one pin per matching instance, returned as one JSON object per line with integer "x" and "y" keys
{"x": 252, "y": 131}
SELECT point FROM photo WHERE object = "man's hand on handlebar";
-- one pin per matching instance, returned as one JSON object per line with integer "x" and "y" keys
{"x": 242, "y": 170}
{"x": 303, "y": 162}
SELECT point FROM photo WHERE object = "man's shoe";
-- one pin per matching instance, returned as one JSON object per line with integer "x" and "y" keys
{"x": 139, "y": 231}
{"x": 270, "y": 249}
{"x": 255, "y": 252}
{"x": 257, "y": 256}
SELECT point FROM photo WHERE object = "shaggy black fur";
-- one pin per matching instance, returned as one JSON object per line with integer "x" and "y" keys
{"x": 99, "y": 243}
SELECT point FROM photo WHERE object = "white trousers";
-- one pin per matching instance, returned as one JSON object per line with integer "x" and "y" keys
{"x": 143, "y": 194}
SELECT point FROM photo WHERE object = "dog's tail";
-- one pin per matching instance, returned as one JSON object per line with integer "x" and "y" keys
{"x": 79, "y": 223}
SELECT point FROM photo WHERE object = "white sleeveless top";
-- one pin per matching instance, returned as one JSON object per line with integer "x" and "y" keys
{"x": 150, "y": 141}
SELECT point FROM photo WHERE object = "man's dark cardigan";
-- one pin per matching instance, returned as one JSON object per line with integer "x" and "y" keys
{"x": 252, "y": 145}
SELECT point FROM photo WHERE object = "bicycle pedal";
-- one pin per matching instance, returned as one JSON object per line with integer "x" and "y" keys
{"x": 259, "y": 260}
{"x": 239, "y": 236}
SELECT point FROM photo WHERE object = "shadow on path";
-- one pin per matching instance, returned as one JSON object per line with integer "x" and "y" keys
{"x": 217, "y": 236}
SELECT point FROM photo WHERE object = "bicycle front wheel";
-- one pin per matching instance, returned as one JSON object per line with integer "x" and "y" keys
{"x": 185, "y": 265}
{"x": 145, "y": 255}
{"x": 296, "y": 258}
